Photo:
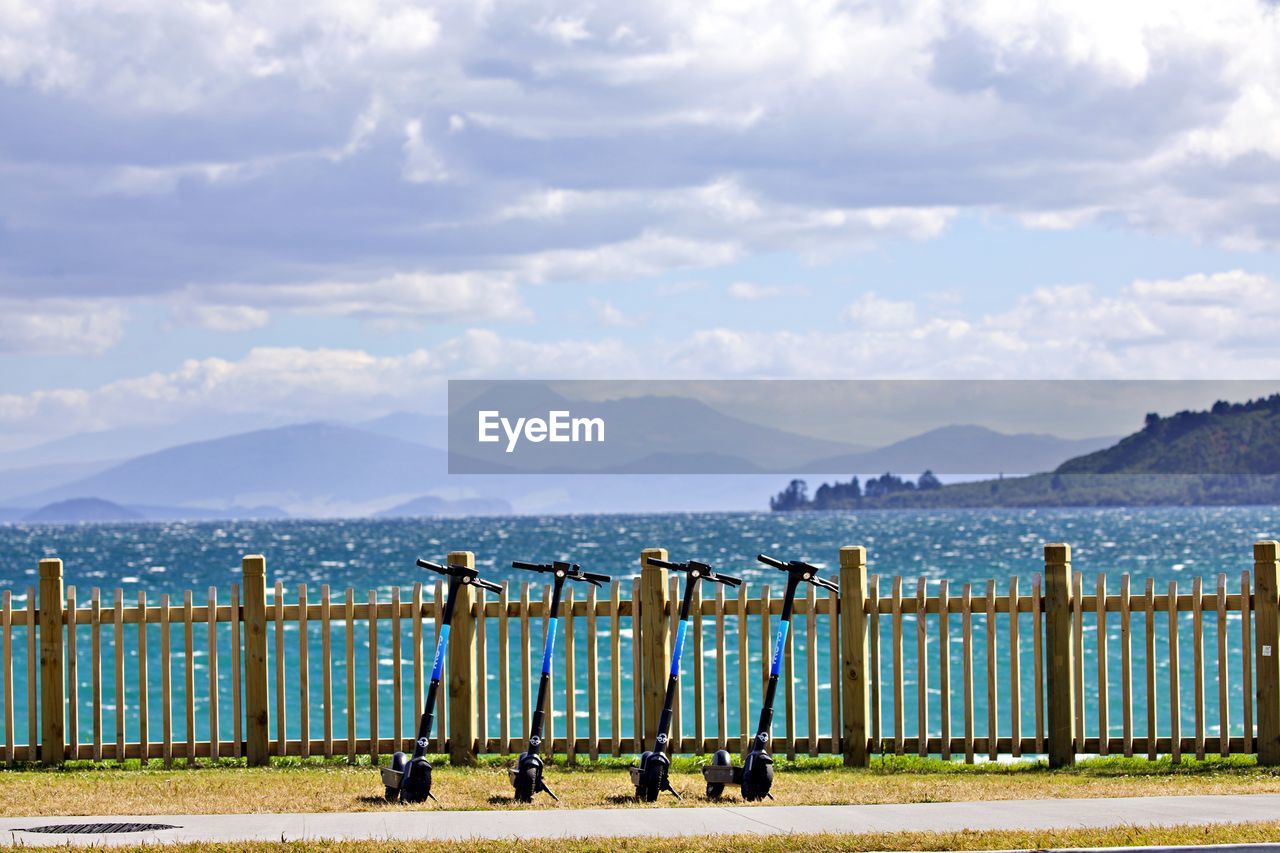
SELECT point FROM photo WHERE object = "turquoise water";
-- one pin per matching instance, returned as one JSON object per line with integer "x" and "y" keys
{"x": 960, "y": 545}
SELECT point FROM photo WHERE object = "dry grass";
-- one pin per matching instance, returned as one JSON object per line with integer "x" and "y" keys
{"x": 1248, "y": 833}
{"x": 318, "y": 786}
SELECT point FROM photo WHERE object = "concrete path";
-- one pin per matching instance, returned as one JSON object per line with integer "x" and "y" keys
{"x": 760, "y": 820}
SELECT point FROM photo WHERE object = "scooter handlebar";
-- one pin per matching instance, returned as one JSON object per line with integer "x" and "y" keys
{"x": 797, "y": 564}
{"x": 573, "y": 571}
{"x": 708, "y": 574}
{"x": 435, "y": 567}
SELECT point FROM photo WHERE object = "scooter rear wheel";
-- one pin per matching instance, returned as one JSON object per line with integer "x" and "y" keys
{"x": 651, "y": 777}
{"x": 720, "y": 759}
{"x": 525, "y": 784}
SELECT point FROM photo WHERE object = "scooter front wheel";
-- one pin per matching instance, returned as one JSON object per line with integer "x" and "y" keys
{"x": 720, "y": 759}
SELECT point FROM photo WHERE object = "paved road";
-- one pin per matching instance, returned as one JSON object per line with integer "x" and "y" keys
{"x": 765, "y": 820}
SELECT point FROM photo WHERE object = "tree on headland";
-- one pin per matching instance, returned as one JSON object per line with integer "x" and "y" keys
{"x": 847, "y": 495}
{"x": 794, "y": 496}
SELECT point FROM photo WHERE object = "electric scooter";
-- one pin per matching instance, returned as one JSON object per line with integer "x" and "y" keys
{"x": 651, "y": 776}
{"x": 526, "y": 776}
{"x": 756, "y": 773}
{"x": 408, "y": 779}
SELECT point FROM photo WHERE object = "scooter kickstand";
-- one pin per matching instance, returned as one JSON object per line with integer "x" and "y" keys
{"x": 549, "y": 792}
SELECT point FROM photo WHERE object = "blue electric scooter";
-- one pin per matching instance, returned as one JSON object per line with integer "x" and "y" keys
{"x": 526, "y": 776}
{"x": 651, "y": 776}
{"x": 408, "y": 779}
{"x": 756, "y": 773}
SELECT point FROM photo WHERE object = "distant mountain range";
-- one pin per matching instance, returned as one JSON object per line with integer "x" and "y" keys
{"x": 1228, "y": 455}
{"x": 978, "y": 449}
{"x": 395, "y": 466}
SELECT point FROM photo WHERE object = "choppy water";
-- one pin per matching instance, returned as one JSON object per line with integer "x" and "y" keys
{"x": 961, "y": 545}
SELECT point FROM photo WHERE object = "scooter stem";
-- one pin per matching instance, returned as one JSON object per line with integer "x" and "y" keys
{"x": 761, "y": 741}
{"x": 673, "y": 681}
{"x": 437, "y": 670}
{"x": 544, "y": 683}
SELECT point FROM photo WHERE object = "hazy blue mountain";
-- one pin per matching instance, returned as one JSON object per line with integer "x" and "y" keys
{"x": 15, "y": 482}
{"x": 328, "y": 469}
{"x": 658, "y": 427}
{"x": 431, "y": 430}
{"x": 296, "y": 466}
{"x": 965, "y": 449}
{"x": 124, "y": 442}
{"x": 83, "y": 509}
{"x": 679, "y": 463}
{"x": 430, "y": 506}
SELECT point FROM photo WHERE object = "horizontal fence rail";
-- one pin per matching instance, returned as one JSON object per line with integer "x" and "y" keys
{"x": 1060, "y": 666}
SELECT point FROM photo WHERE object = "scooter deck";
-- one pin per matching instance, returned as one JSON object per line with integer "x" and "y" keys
{"x": 722, "y": 774}
{"x": 391, "y": 778}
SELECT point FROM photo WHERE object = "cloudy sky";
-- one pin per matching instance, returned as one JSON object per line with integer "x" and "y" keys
{"x": 272, "y": 210}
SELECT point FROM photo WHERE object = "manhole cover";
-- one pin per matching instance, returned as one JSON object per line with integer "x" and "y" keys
{"x": 97, "y": 828}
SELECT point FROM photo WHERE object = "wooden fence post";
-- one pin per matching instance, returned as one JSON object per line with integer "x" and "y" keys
{"x": 1058, "y": 655}
{"x": 1266, "y": 567}
{"x": 654, "y": 640}
{"x": 854, "y": 669}
{"x": 462, "y": 671}
{"x": 53, "y": 739}
{"x": 257, "y": 716}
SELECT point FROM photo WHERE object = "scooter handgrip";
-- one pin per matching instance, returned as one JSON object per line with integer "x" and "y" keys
{"x": 770, "y": 561}
{"x": 435, "y": 567}
{"x": 824, "y": 583}
{"x": 484, "y": 584}
{"x": 536, "y": 567}
{"x": 728, "y": 580}
{"x": 664, "y": 564}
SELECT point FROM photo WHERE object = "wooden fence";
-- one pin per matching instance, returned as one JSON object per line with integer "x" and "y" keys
{"x": 273, "y": 672}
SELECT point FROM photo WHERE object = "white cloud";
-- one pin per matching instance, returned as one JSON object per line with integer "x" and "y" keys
{"x": 1203, "y": 326}
{"x": 871, "y": 311}
{"x": 608, "y": 314}
{"x": 60, "y": 326}
{"x": 565, "y": 29}
{"x": 749, "y": 292}
{"x": 221, "y": 318}
{"x": 413, "y": 296}
{"x": 422, "y": 164}
{"x": 294, "y": 383}
{"x": 1200, "y": 326}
